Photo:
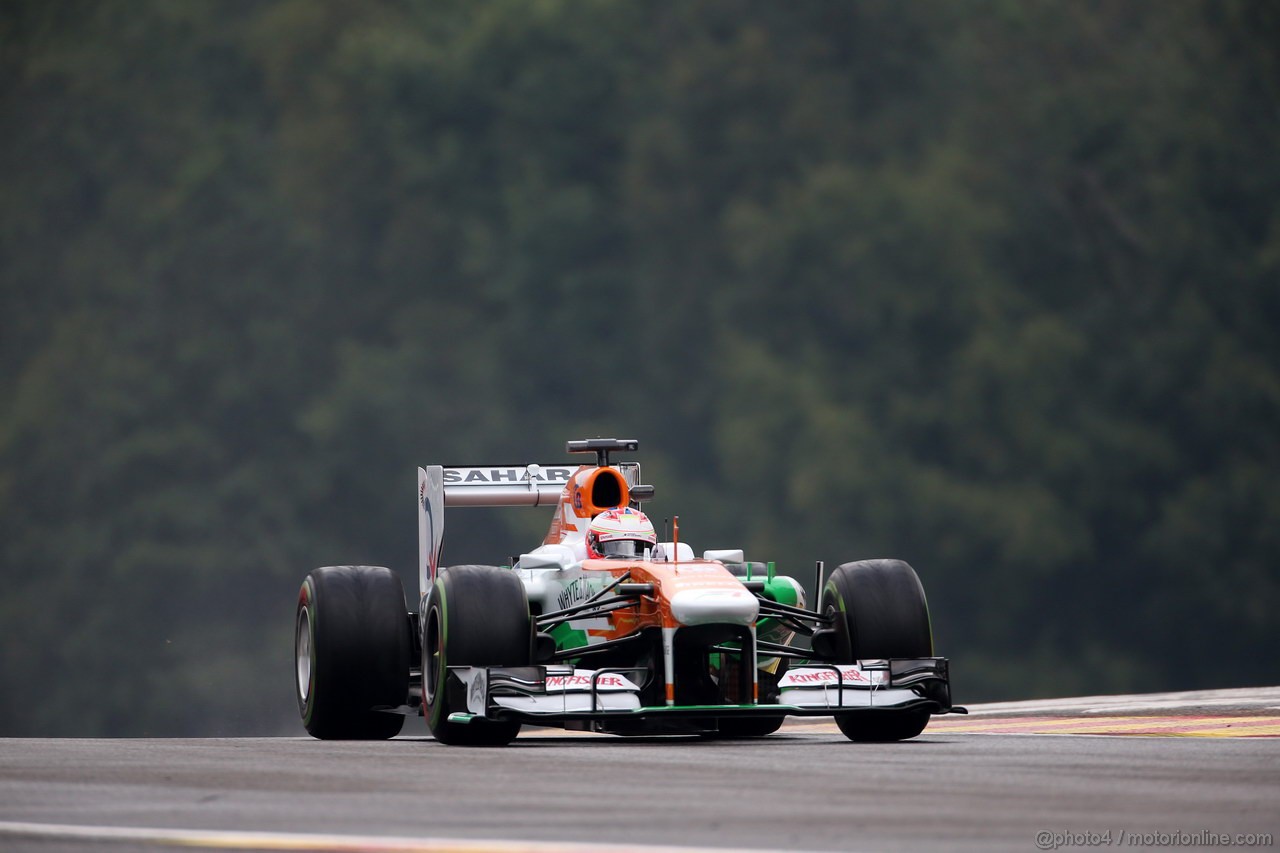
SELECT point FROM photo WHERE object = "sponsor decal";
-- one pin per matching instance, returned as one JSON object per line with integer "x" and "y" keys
{"x": 504, "y": 476}
{"x": 575, "y": 591}
{"x": 475, "y": 700}
{"x": 568, "y": 682}
{"x": 804, "y": 677}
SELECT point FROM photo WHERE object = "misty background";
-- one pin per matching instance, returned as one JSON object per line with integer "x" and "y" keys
{"x": 991, "y": 287}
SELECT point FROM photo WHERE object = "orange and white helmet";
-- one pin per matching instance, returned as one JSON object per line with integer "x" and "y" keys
{"x": 620, "y": 532}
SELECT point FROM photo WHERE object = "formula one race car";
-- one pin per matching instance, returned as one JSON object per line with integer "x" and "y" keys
{"x": 604, "y": 628}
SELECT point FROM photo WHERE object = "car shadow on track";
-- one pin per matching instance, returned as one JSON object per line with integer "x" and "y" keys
{"x": 535, "y": 740}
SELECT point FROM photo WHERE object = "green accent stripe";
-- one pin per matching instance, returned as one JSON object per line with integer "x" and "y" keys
{"x": 567, "y": 637}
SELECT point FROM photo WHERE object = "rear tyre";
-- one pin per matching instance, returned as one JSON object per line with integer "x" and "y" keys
{"x": 880, "y": 612}
{"x": 352, "y": 652}
{"x": 475, "y": 616}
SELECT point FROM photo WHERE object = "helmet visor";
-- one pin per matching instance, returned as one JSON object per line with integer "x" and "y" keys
{"x": 617, "y": 548}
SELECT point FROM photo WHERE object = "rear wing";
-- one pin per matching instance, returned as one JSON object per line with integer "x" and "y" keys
{"x": 441, "y": 486}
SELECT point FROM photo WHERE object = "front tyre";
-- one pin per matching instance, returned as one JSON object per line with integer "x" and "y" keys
{"x": 475, "y": 616}
{"x": 879, "y": 611}
{"x": 351, "y": 650}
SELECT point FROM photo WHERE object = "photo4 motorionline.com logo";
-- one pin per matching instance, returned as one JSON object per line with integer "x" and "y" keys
{"x": 1048, "y": 840}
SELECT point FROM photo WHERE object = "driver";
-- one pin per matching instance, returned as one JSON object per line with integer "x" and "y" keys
{"x": 619, "y": 533}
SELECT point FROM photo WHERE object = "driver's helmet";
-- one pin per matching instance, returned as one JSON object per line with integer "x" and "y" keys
{"x": 620, "y": 532}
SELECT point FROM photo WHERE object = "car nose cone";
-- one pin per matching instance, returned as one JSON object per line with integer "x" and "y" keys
{"x": 710, "y": 606}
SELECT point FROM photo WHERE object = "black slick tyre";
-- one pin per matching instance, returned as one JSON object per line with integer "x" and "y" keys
{"x": 732, "y": 728}
{"x": 879, "y": 611}
{"x": 475, "y": 616}
{"x": 352, "y": 649}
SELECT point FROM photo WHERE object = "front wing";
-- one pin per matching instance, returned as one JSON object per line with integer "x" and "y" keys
{"x": 561, "y": 696}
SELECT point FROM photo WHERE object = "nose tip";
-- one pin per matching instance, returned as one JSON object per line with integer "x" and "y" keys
{"x": 703, "y": 607}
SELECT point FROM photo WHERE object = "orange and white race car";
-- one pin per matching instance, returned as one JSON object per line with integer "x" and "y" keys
{"x": 603, "y": 627}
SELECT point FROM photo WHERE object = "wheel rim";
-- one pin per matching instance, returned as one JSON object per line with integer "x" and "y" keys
{"x": 302, "y": 646}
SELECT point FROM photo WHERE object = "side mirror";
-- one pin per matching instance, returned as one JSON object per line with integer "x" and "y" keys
{"x": 641, "y": 493}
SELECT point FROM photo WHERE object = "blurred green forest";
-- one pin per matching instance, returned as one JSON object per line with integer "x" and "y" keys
{"x": 992, "y": 287}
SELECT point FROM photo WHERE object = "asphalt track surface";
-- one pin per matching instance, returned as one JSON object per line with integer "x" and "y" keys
{"x": 806, "y": 788}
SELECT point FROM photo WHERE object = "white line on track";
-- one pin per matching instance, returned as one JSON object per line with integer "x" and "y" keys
{"x": 229, "y": 840}
{"x": 1249, "y": 699}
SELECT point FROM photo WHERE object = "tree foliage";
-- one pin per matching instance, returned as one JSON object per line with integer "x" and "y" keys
{"x": 990, "y": 288}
